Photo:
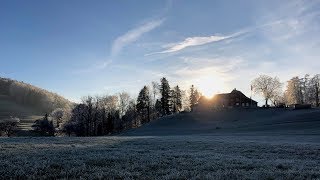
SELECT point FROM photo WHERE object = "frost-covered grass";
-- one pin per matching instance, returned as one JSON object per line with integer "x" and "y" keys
{"x": 162, "y": 157}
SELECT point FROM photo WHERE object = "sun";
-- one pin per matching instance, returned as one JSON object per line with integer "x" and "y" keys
{"x": 209, "y": 85}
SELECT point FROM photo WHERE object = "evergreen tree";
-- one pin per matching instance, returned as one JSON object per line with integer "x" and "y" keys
{"x": 143, "y": 104}
{"x": 158, "y": 106}
{"x": 110, "y": 123}
{"x": 176, "y": 99}
{"x": 193, "y": 97}
{"x": 165, "y": 97}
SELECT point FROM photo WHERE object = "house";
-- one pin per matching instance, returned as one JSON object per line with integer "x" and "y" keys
{"x": 234, "y": 99}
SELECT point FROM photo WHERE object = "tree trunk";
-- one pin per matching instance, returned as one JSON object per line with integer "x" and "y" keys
{"x": 317, "y": 95}
{"x": 148, "y": 113}
{"x": 266, "y": 103}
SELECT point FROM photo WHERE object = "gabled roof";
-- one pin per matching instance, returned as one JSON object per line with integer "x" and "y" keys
{"x": 233, "y": 92}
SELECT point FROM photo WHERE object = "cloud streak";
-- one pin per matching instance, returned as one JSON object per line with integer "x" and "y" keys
{"x": 133, "y": 35}
{"x": 124, "y": 40}
{"x": 197, "y": 41}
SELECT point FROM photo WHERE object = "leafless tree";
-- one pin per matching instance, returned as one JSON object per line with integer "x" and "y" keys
{"x": 60, "y": 116}
{"x": 124, "y": 99}
{"x": 155, "y": 91}
{"x": 294, "y": 93}
{"x": 267, "y": 86}
{"x": 314, "y": 90}
{"x": 185, "y": 101}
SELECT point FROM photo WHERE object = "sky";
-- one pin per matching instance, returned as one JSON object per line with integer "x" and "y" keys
{"x": 81, "y": 47}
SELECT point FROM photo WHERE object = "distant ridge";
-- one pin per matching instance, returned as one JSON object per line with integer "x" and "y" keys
{"x": 31, "y": 97}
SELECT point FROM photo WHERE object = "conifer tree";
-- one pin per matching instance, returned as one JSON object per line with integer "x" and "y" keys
{"x": 193, "y": 98}
{"x": 143, "y": 104}
{"x": 176, "y": 99}
{"x": 165, "y": 97}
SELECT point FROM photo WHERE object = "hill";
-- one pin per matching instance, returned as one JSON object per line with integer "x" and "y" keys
{"x": 245, "y": 121}
{"x": 27, "y": 102}
{"x": 28, "y": 95}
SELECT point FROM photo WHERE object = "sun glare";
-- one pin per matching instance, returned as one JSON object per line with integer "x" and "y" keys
{"x": 209, "y": 85}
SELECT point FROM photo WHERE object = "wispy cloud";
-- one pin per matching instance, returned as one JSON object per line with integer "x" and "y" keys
{"x": 190, "y": 41}
{"x": 122, "y": 41}
{"x": 193, "y": 41}
{"x": 133, "y": 35}
{"x": 198, "y": 41}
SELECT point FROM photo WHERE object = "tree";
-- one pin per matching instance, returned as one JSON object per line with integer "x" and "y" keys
{"x": 194, "y": 97}
{"x": 176, "y": 99}
{"x": 267, "y": 86}
{"x": 77, "y": 123}
{"x": 110, "y": 123}
{"x": 155, "y": 91}
{"x": 294, "y": 94}
{"x": 143, "y": 104}
{"x": 185, "y": 100}
{"x": 97, "y": 116}
{"x": 158, "y": 106}
{"x": 124, "y": 99}
{"x": 8, "y": 127}
{"x": 110, "y": 102}
{"x": 303, "y": 90}
{"x": 165, "y": 97}
{"x": 315, "y": 89}
{"x": 129, "y": 119}
{"x": 88, "y": 101}
{"x": 278, "y": 99}
{"x": 44, "y": 126}
{"x": 60, "y": 116}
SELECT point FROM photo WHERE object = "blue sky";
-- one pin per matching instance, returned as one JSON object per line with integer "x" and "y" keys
{"x": 81, "y": 47}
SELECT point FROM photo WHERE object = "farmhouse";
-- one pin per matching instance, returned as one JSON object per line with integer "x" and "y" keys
{"x": 234, "y": 99}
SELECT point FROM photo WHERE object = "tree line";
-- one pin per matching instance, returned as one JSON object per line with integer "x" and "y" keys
{"x": 108, "y": 114}
{"x": 299, "y": 90}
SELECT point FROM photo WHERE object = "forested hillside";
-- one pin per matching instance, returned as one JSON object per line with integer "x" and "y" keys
{"x": 23, "y": 94}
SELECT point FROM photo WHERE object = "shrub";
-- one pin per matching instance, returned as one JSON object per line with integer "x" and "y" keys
{"x": 44, "y": 127}
{"x": 8, "y": 127}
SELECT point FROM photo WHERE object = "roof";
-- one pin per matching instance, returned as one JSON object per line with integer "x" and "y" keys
{"x": 232, "y": 93}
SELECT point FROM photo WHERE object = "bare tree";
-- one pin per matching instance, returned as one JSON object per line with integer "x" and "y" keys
{"x": 110, "y": 102}
{"x": 60, "y": 116}
{"x": 278, "y": 99}
{"x": 294, "y": 93}
{"x": 155, "y": 91}
{"x": 267, "y": 86}
{"x": 185, "y": 100}
{"x": 124, "y": 99}
{"x": 315, "y": 89}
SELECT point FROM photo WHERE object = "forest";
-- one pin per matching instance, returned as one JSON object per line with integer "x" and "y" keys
{"x": 110, "y": 114}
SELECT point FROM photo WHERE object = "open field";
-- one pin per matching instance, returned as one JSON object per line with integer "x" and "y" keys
{"x": 165, "y": 157}
{"x": 185, "y": 146}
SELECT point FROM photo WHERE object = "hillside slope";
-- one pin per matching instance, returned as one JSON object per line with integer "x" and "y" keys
{"x": 27, "y": 95}
{"x": 246, "y": 121}
{"x": 27, "y": 102}
{"x": 27, "y": 115}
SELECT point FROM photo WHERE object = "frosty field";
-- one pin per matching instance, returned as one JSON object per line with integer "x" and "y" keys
{"x": 165, "y": 157}
{"x": 253, "y": 144}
